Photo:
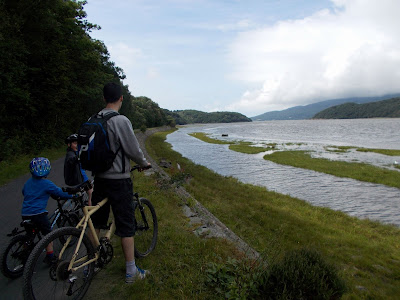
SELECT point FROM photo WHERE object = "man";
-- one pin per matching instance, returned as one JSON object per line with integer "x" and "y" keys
{"x": 116, "y": 183}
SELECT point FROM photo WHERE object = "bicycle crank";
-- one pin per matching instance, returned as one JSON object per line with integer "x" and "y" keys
{"x": 106, "y": 252}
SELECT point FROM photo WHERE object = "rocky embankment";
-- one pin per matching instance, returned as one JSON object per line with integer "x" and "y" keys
{"x": 205, "y": 223}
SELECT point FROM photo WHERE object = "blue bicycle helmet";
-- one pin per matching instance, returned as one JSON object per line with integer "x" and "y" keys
{"x": 40, "y": 167}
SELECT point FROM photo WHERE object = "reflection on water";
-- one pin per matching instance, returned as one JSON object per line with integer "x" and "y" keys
{"x": 365, "y": 200}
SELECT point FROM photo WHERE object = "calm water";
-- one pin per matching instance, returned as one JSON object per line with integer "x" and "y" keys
{"x": 364, "y": 200}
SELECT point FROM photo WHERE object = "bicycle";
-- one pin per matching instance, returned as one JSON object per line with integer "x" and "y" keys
{"x": 15, "y": 255}
{"x": 71, "y": 275}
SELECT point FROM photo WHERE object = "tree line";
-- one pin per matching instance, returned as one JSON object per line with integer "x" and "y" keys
{"x": 52, "y": 74}
{"x": 380, "y": 109}
{"x": 190, "y": 116}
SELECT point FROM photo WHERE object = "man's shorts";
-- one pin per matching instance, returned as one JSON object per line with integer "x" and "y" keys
{"x": 41, "y": 221}
{"x": 120, "y": 196}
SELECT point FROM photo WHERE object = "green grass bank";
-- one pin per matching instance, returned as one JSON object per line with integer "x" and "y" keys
{"x": 17, "y": 166}
{"x": 358, "y": 171}
{"x": 367, "y": 253}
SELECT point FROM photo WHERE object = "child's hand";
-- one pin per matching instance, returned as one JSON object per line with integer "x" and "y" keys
{"x": 77, "y": 195}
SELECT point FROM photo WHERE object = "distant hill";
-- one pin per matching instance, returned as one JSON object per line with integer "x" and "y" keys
{"x": 310, "y": 110}
{"x": 381, "y": 109}
{"x": 182, "y": 117}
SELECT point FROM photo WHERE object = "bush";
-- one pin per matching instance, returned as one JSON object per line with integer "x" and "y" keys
{"x": 234, "y": 279}
{"x": 302, "y": 274}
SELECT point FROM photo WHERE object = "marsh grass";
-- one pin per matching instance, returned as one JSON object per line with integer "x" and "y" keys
{"x": 15, "y": 167}
{"x": 243, "y": 147}
{"x": 389, "y": 152}
{"x": 205, "y": 138}
{"x": 358, "y": 171}
{"x": 366, "y": 252}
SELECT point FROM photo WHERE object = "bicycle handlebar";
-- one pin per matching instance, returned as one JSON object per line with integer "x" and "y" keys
{"x": 81, "y": 188}
{"x": 140, "y": 168}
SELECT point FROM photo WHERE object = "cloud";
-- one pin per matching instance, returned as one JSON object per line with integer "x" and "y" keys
{"x": 125, "y": 55}
{"x": 350, "y": 50}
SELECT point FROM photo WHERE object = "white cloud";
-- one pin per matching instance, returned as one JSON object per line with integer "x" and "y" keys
{"x": 125, "y": 55}
{"x": 352, "y": 50}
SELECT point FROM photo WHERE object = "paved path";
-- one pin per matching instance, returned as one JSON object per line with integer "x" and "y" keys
{"x": 10, "y": 217}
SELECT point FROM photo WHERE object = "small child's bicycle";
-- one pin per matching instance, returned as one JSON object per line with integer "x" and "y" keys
{"x": 69, "y": 277}
{"x": 14, "y": 256}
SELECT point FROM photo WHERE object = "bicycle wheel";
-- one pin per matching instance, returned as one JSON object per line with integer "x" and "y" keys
{"x": 42, "y": 281}
{"x": 15, "y": 255}
{"x": 146, "y": 228}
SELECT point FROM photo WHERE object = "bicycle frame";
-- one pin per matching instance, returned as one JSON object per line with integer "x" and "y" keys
{"x": 83, "y": 224}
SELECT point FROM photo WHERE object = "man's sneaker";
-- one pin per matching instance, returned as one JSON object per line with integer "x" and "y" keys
{"x": 140, "y": 274}
{"x": 50, "y": 260}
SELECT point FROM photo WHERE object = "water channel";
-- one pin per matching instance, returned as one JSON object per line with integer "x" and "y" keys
{"x": 356, "y": 198}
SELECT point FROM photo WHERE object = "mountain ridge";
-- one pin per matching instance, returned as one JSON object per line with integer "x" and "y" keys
{"x": 308, "y": 111}
{"x": 389, "y": 108}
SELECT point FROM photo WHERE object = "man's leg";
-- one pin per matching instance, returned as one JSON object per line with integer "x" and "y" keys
{"x": 128, "y": 248}
{"x": 132, "y": 271}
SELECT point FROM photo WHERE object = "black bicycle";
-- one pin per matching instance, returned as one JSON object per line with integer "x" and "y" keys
{"x": 146, "y": 224}
{"x": 24, "y": 239}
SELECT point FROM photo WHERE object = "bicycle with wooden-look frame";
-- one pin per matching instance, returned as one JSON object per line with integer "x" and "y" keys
{"x": 71, "y": 274}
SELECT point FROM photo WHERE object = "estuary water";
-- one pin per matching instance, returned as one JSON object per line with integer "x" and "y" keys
{"x": 323, "y": 137}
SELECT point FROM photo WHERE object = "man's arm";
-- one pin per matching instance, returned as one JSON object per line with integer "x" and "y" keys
{"x": 130, "y": 143}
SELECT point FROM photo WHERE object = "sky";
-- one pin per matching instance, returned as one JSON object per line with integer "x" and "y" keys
{"x": 251, "y": 56}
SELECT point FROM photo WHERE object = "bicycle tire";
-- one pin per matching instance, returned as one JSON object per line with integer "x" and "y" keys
{"x": 145, "y": 237}
{"x": 15, "y": 255}
{"x": 41, "y": 281}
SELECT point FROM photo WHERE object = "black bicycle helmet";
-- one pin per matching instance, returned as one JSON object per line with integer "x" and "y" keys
{"x": 71, "y": 138}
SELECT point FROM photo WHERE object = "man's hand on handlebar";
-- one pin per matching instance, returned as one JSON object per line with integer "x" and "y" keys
{"x": 140, "y": 168}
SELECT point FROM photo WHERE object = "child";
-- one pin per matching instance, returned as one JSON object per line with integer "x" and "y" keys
{"x": 73, "y": 173}
{"x": 37, "y": 191}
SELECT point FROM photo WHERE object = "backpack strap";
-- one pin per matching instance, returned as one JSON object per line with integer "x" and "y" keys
{"x": 107, "y": 117}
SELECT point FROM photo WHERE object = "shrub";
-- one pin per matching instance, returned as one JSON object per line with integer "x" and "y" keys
{"x": 302, "y": 274}
{"x": 234, "y": 279}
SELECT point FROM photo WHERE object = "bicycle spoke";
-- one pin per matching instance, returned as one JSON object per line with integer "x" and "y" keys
{"x": 42, "y": 281}
{"x": 146, "y": 228}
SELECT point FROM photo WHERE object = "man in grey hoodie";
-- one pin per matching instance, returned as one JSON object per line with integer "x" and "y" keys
{"x": 116, "y": 183}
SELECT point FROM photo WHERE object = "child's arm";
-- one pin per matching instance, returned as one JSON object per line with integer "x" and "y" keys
{"x": 57, "y": 192}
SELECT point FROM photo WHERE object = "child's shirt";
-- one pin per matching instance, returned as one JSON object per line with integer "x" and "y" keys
{"x": 36, "y": 193}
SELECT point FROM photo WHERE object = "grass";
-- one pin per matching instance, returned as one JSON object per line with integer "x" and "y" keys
{"x": 13, "y": 168}
{"x": 367, "y": 253}
{"x": 205, "y": 138}
{"x": 358, "y": 171}
{"x": 243, "y": 147}
{"x": 177, "y": 264}
{"x": 389, "y": 152}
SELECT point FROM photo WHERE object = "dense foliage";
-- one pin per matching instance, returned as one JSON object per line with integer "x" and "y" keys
{"x": 381, "y": 109}
{"x": 194, "y": 116}
{"x": 52, "y": 74}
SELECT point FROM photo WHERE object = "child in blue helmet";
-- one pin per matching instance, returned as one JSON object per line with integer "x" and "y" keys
{"x": 37, "y": 191}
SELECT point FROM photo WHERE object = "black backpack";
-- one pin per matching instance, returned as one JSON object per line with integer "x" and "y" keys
{"x": 94, "y": 149}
